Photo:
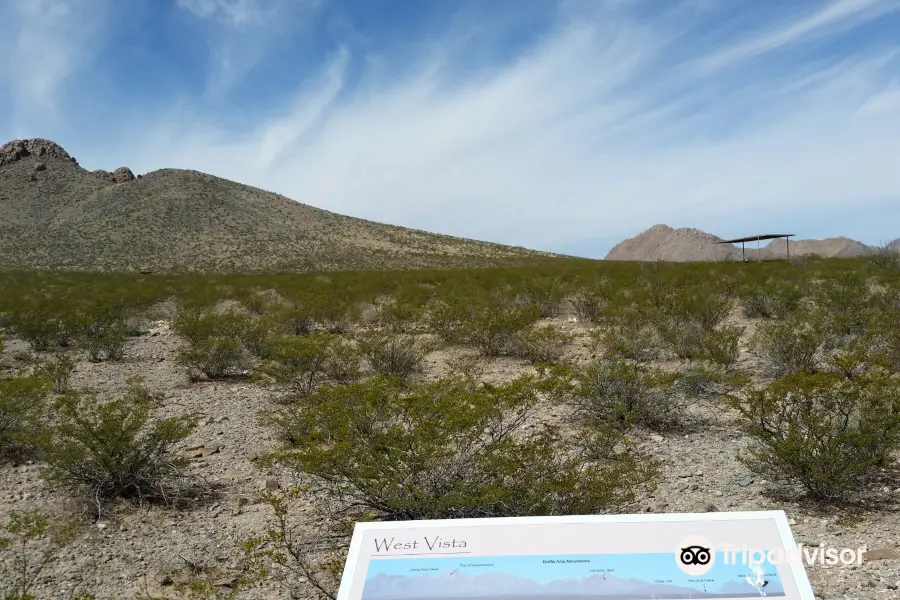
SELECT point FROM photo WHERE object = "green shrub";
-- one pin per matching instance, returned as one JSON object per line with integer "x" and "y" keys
{"x": 546, "y": 294}
{"x": 708, "y": 380}
{"x": 623, "y": 394}
{"x": 393, "y": 354}
{"x": 445, "y": 319}
{"x": 57, "y": 371}
{"x": 37, "y": 324}
{"x": 31, "y": 540}
{"x": 105, "y": 335}
{"x": 343, "y": 362}
{"x": 634, "y": 342}
{"x": 467, "y": 368}
{"x": 886, "y": 257}
{"x": 772, "y": 301}
{"x": 298, "y": 319}
{"x": 298, "y": 362}
{"x": 22, "y": 402}
{"x": 440, "y": 450}
{"x": 198, "y": 326}
{"x": 824, "y": 432}
{"x": 722, "y": 346}
{"x": 543, "y": 344}
{"x": 589, "y": 301}
{"x": 111, "y": 449}
{"x": 494, "y": 324}
{"x": 789, "y": 346}
{"x": 216, "y": 358}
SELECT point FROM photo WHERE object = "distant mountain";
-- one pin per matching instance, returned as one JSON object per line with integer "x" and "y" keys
{"x": 662, "y": 242}
{"x": 55, "y": 214}
{"x": 499, "y": 585}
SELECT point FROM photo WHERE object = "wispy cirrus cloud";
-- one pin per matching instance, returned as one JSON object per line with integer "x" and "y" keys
{"x": 43, "y": 51}
{"x": 566, "y": 131}
{"x": 239, "y": 33}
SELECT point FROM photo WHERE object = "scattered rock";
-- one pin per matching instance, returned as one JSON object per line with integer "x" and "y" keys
{"x": 882, "y": 554}
{"x": 201, "y": 451}
{"x": 704, "y": 507}
{"x": 40, "y": 166}
{"x": 745, "y": 481}
{"x": 272, "y": 484}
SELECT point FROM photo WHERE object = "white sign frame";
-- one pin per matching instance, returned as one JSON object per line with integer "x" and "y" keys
{"x": 357, "y": 558}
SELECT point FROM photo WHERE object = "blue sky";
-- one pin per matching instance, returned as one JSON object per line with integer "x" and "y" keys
{"x": 559, "y": 125}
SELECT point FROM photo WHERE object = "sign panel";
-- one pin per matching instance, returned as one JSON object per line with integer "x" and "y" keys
{"x": 608, "y": 557}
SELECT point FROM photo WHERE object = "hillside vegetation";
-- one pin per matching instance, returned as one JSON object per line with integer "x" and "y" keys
{"x": 217, "y": 436}
{"x": 56, "y": 215}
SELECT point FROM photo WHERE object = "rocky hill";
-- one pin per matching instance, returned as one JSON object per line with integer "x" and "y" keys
{"x": 55, "y": 214}
{"x": 662, "y": 242}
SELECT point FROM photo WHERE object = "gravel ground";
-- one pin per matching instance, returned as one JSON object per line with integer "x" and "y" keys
{"x": 134, "y": 551}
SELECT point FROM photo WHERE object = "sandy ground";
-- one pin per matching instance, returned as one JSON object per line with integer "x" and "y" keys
{"x": 134, "y": 549}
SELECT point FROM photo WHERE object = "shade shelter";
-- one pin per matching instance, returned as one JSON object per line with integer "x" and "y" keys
{"x": 768, "y": 236}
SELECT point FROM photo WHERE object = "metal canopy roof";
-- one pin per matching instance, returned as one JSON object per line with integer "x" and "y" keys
{"x": 755, "y": 238}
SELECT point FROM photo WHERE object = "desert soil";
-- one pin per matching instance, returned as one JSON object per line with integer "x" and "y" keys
{"x": 137, "y": 550}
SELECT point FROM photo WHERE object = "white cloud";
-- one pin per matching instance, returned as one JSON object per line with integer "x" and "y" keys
{"x": 830, "y": 17}
{"x": 46, "y": 42}
{"x": 601, "y": 130}
{"x": 241, "y": 33}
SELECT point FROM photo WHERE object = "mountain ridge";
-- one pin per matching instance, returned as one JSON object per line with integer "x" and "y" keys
{"x": 55, "y": 214}
{"x": 685, "y": 244}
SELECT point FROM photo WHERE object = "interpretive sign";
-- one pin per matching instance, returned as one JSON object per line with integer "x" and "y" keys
{"x": 609, "y": 557}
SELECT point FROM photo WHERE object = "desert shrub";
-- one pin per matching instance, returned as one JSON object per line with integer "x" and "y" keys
{"x": 722, "y": 346}
{"x": 216, "y": 358}
{"x": 104, "y": 335}
{"x": 398, "y": 316}
{"x": 494, "y": 323}
{"x": 440, "y": 450}
{"x": 543, "y": 344}
{"x": 686, "y": 321}
{"x": 771, "y": 301}
{"x": 623, "y": 394}
{"x": 445, "y": 318}
{"x": 886, "y": 257}
{"x": 342, "y": 364}
{"x": 333, "y": 314}
{"x": 700, "y": 307}
{"x": 298, "y": 362}
{"x": 255, "y": 335}
{"x": 22, "y": 401}
{"x": 828, "y": 434}
{"x": 466, "y": 367}
{"x": 843, "y": 305}
{"x": 635, "y": 342}
{"x": 297, "y": 318}
{"x": 198, "y": 326}
{"x": 589, "y": 301}
{"x": 38, "y": 323}
{"x": 57, "y": 370}
{"x": 111, "y": 449}
{"x": 788, "y": 346}
{"x": 392, "y": 354}
{"x": 546, "y": 294}
{"x": 31, "y": 540}
{"x": 707, "y": 380}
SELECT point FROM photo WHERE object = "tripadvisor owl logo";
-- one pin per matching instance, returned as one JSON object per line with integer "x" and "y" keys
{"x": 695, "y": 555}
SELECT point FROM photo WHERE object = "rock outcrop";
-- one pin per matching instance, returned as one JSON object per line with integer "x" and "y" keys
{"x": 662, "y": 242}
{"x": 120, "y": 175}
{"x": 38, "y": 148}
